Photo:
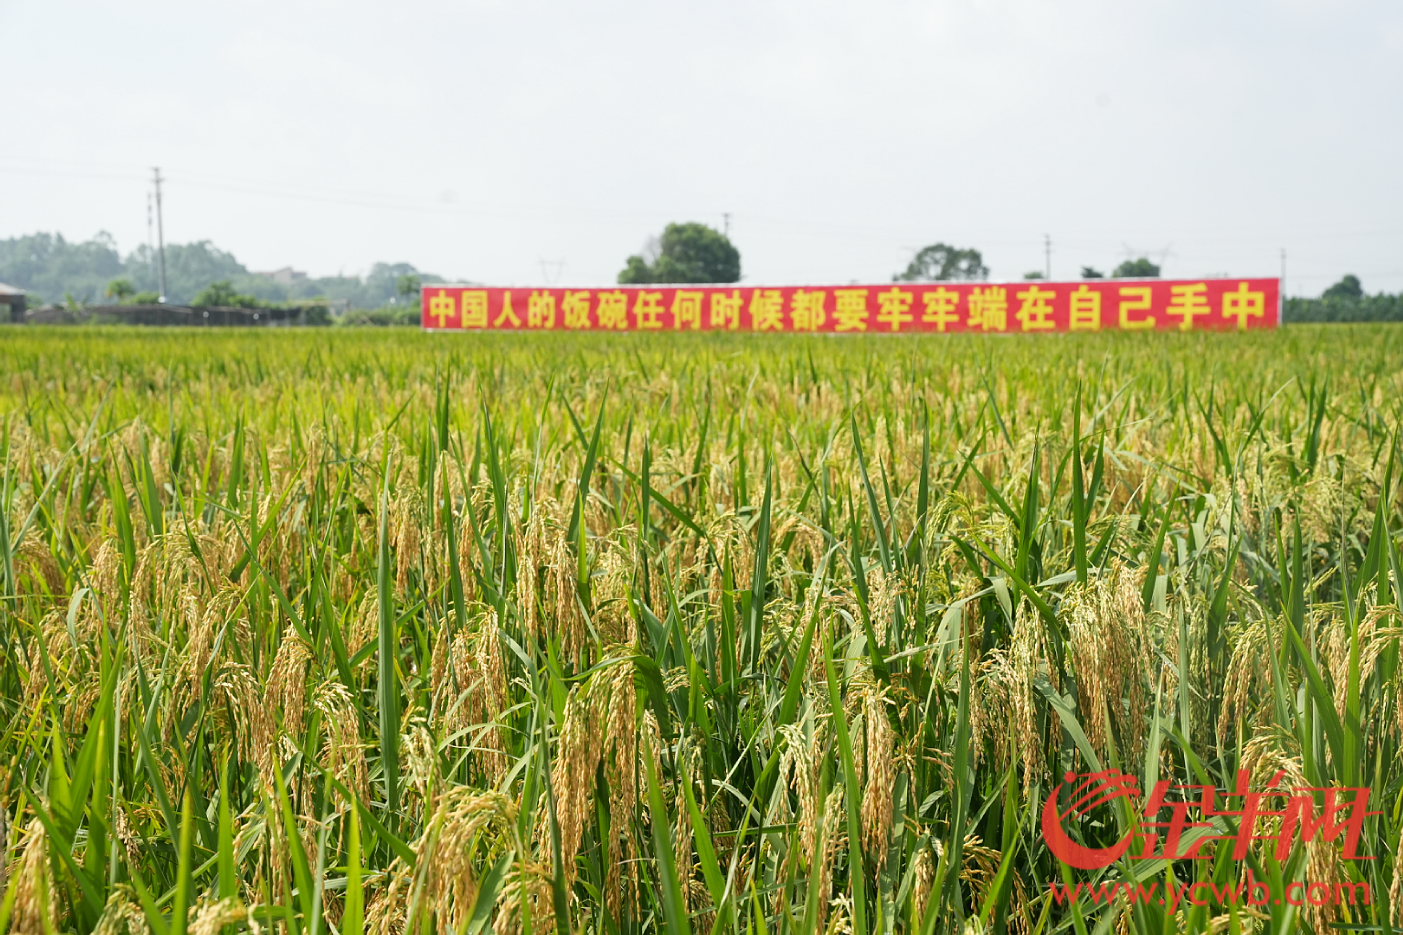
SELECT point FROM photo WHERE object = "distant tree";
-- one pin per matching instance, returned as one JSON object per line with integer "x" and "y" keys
{"x": 120, "y": 289}
{"x": 408, "y": 285}
{"x": 636, "y": 272}
{"x": 223, "y": 294}
{"x": 146, "y": 298}
{"x": 1088, "y": 273}
{"x": 686, "y": 253}
{"x": 1378, "y": 307}
{"x": 1136, "y": 269}
{"x": 193, "y": 266}
{"x": 220, "y": 293}
{"x": 942, "y": 261}
{"x": 381, "y": 285}
{"x": 48, "y": 264}
{"x": 1346, "y": 288}
{"x": 1034, "y": 274}
{"x": 316, "y": 314}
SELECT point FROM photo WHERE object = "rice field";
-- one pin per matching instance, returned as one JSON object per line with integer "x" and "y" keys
{"x": 345, "y": 632}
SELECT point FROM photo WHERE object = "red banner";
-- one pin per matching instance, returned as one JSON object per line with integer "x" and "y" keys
{"x": 1030, "y": 306}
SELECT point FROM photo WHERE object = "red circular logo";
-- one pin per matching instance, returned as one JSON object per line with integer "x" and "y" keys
{"x": 1093, "y": 789}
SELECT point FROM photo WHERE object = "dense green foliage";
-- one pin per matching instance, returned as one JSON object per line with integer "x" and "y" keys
{"x": 1349, "y": 287}
{"x": 350, "y": 631}
{"x": 1365, "y": 308}
{"x": 1136, "y": 269}
{"x": 686, "y": 253}
{"x": 223, "y": 293}
{"x": 50, "y": 267}
{"x": 941, "y": 262}
{"x": 401, "y": 316}
{"x": 120, "y": 289}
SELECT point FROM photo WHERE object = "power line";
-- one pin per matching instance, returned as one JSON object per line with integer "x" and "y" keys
{"x": 551, "y": 270}
{"x": 381, "y": 200}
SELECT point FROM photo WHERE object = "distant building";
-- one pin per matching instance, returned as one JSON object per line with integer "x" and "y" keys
{"x": 285, "y": 276}
{"x": 13, "y": 300}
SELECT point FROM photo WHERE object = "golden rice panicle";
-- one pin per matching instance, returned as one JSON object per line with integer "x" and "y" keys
{"x": 533, "y": 548}
{"x": 386, "y": 910}
{"x": 364, "y": 625}
{"x": 980, "y": 864}
{"x": 36, "y": 559}
{"x": 1247, "y": 680}
{"x": 287, "y": 681}
{"x": 420, "y": 763}
{"x": 1375, "y": 635}
{"x": 36, "y": 902}
{"x": 621, "y": 772}
{"x": 122, "y": 915}
{"x": 465, "y": 824}
{"x": 1003, "y": 709}
{"x": 211, "y": 918}
{"x": 546, "y": 589}
{"x": 832, "y": 841}
{"x": 468, "y": 685}
{"x": 799, "y": 767}
{"x": 879, "y": 741}
{"x": 568, "y": 621}
{"x": 527, "y": 889}
{"x": 1109, "y": 647}
{"x": 407, "y": 518}
{"x": 491, "y": 693}
{"x": 923, "y": 877}
{"x": 442, "y": 680}
{"x": 255, "y": 731}
{"x": 610, "y": 592}
{"x": 580, "y": 747}
{"x": 343, "y": 752}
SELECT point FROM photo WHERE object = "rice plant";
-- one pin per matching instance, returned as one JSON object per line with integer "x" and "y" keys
{"x": 376, "y": 633}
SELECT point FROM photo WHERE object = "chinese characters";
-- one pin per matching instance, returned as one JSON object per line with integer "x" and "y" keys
{"x": 1036, "y": 307}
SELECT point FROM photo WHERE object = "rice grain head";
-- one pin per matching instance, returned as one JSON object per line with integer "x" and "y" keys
{"x": 122, "y": 915}
{"x": 879, "y": 741}
{"x": 210, "y": 918}
{"x": 287, "y": 681}
{"x": 36, "y": 902}
{"x": 465, "y": 824}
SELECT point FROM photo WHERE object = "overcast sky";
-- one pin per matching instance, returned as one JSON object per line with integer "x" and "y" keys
{"x": 529, "y": 142}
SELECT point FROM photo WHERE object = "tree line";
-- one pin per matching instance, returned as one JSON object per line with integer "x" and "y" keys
{"x": 55, "y": 270}
{"x": 1345, "y": 301}
{"x": 52, "y": 269}
{"x": 696, "y": 253}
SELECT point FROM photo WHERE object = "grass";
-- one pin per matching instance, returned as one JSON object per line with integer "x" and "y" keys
{"x": 349, "y": 632}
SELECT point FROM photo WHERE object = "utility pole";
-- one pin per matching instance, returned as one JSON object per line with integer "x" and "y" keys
{"x": 727, "y": 218}
{"x": 150, "y": 234}
{"x": 1283, "y": 272}
{"x": 1047, "y": 253}
{"x": 160, "y": 235}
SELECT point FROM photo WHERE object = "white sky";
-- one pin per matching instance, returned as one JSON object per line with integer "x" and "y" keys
{"x": 492, "y": 140}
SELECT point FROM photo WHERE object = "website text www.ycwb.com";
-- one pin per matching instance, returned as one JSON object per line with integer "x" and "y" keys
{"x": 1250, "y": 892}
